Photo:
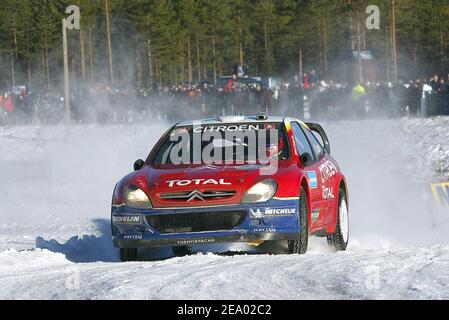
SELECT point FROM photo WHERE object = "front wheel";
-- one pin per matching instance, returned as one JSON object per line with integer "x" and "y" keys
{"x": 128, "y": 254}
{"x": 340, "y": 238}
{"x": 300, "y": 246}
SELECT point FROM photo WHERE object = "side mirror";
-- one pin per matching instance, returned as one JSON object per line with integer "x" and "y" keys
{"x": 138, "y": 164}
{"x": 306, "y": 159}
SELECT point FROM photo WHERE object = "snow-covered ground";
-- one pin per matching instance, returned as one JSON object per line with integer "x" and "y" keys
{"x": 433, "y": 145}
{"x": 55, "y": 191}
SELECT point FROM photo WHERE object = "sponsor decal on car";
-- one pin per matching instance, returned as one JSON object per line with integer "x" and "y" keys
{"x": 328, "y": 193}
{"x": 231, "y": 128}
{"x": 328, "y": 170}
{"x": 316, "y": 215}
{"x": 197, "y": 182}
{"x": 272, "y": 212}
{"x": 132, "y": 237}
{"x": 265, "y": 230}
{"x": 313, "y": 179}
{"x": 195, "y": 241}
{"x": 126, "y": 219}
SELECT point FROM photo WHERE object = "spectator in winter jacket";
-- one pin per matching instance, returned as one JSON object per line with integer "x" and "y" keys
{"x": 414, "y": 98}
{"x": 358, "y": 98}
{"x": 358, "y": 92}
{"x": 298, "y": 99}
{"x": 434, "y": 83}
{"x": 442, "y": 87}
{"x": 313, "y": 78}
{"x": 9, "y": 103}
{"x": 306, "y": 82}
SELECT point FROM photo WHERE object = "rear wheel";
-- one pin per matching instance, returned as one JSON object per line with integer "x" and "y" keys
{"x": 128, "y": 254}
{"x": 182, "y": 251}
{"x": 300, "y": 246}
{"x": 340, "y": 238}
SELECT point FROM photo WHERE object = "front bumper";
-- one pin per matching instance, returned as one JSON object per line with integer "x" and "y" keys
{"x": 273, "y": 220}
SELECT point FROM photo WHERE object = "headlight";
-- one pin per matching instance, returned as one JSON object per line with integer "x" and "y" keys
{"x": 136, "y": 198}
{"x": 261, "y": 192}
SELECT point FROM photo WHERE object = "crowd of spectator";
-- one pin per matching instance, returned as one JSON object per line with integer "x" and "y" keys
{"x": 308, "y": 97}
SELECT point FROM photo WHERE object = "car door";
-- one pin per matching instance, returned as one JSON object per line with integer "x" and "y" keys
{"x": 313, "y": 176}
{"x": 327, "y": 172}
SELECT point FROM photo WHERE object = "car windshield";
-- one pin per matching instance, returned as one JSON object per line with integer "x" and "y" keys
{"x": 257, "y": 143}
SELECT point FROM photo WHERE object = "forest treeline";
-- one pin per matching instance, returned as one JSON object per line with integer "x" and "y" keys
{"x": 169, "y": 41}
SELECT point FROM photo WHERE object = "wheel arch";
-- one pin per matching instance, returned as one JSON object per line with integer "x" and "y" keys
{"x": 305, "y": 186}
{"x": 334, "y": 213}
{"x": 343, "y": 186}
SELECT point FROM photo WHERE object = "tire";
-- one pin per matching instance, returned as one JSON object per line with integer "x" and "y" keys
{"x": 181, "y": 251}
{"x": 128, "y": 254}
{"x": 300, "y": 246}
{"x": 340, "y": 238}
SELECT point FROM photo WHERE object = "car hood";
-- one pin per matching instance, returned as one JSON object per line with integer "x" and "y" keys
{"x": 171, "y": 186}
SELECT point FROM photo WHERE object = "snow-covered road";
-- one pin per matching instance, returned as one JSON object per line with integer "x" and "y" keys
{"x": 55, "y": 190}
{"x": 402, "y": 274}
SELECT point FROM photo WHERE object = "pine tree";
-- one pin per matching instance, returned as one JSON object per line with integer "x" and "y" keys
{"x": 167, "y": 41}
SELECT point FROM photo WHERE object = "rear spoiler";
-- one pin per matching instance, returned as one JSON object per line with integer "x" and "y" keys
{"x": 315, "y": 127}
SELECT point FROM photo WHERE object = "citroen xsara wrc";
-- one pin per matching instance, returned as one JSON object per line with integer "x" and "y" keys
{"x": 233, "y": 179}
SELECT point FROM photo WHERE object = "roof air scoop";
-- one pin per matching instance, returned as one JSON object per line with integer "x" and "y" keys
{"x": 231, "y": 119}
{"x": 261, "y": 117}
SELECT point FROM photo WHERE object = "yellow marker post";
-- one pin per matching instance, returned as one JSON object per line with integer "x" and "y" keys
{"x": 441, "y": 193}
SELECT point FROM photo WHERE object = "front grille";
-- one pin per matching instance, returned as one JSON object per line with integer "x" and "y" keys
{"x": 197, "y": 195}
{"x": 197, "y": 222}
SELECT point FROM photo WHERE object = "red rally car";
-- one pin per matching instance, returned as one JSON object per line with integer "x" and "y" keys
{"x": 233, "y": 179}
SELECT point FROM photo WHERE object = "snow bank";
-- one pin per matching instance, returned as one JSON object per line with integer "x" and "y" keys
{"x": 429, "y": 139}
{"x": 380, "y": 274}
{"x": 391, "y": 204}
